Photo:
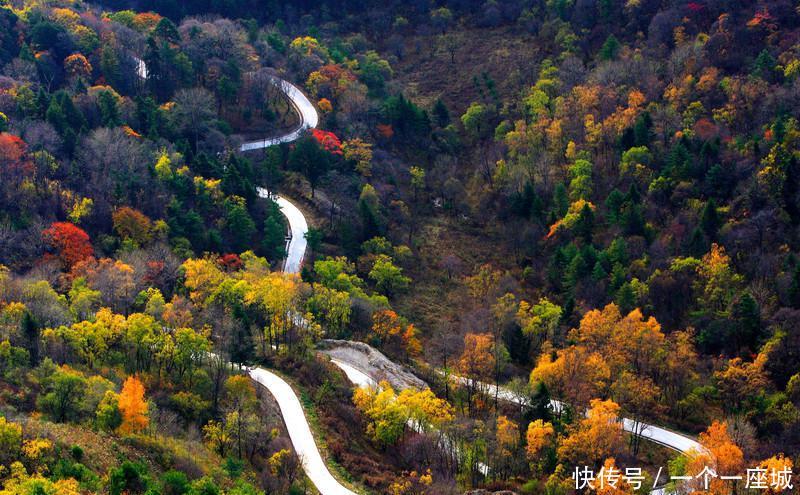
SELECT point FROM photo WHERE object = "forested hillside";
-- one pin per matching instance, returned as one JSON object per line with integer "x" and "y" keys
{"x": 592, "y": 202}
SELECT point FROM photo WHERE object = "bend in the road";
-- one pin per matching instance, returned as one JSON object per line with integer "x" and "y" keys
{"x": 309, "y": 118}
{"x": 291, "y": 409}
{"x": 296, "y": 246}
{"x": 300, "y": 432}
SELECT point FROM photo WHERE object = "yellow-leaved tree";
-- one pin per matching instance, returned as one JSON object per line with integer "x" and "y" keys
{"x": 389, "y": 413}
{"x": 540, "y": 440}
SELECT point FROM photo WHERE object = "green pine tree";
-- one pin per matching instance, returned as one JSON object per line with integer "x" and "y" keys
{"x": 610, "y": 48}
{"x": 748, "y": 321}
{"x": 441, "y": 115}
{"x": 697, "y": 245}
{"x": 560, "y": 200}
{"x": 599, "y": 273}
{"x": 274, "y": 240}
{"x": 626, "y": 298}
{"x": 585, "y": 224}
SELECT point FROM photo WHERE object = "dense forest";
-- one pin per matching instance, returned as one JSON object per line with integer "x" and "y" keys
{"x": 592, "y": 202}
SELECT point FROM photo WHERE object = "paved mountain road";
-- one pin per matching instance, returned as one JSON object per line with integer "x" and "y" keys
{"x": 291, "y": 409}
{"x": 290, "y": 406}
{"x": 304, "y": 443}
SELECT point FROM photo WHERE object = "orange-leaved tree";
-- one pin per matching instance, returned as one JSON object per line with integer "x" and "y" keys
{"x": 13, "y": 158}
{"x": 719, "y": 454}
{"x": 611, "y": 482}
{"x": 594, "y": 438}
{"x": 576, "y": 375}
{"x": 779, "y": 469}
{"x": 394, "y": 334}
{"x": 477, "y": 362}
{"x": 133, "y": 406}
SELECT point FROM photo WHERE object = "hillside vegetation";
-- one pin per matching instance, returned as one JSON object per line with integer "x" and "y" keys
{"x": 595, "y": 202}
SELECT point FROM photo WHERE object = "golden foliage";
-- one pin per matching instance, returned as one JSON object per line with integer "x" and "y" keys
{"x": 540, "y": 435}
{"x": 596, "y": 437}
{"x": 477, "y": 361}
{"x": 133, "y": 406}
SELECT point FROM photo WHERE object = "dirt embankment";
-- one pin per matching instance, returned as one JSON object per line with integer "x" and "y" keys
{"x": 372, "y": 362}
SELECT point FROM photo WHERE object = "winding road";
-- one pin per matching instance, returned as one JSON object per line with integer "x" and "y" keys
{"x": 291, "y": 409}
{"x": 289, "y": 404}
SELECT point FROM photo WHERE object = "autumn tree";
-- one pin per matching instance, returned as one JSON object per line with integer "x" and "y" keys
{"x": 609, "y": 484}
{"x": 540, "y": 444}
{"x": 718, "y": 282}
{"x": 133, "y": 407}
{"x": 83, "y": 300}
{"x": 638, "y": 399}
{"x": 359, "y": 153}
{"x": 394, "y": 333}
{"x": 387, "y": 417}
{"x": 284, "y": 465}
{"x": 90, "y": 339}
{"x": 10, "y": 441}
{"x": 539, "y": 321}
{"x": 141, "y": 332}
{"x": 425, "y": 411}
{"x": 331, "y": 307}
{"x": 14, "y": 162}
{"x": 679, "y": 369}
{"x": 477, "y": 363}
{"x": 188, "y": 349}
{"x": 741, "y": 383}
{"x": 276, "y": 295}
{"x": 202, "y": 277}
{"x": 507, "y": 437}
{"x": 107, "y": 414}
{"x": 625, "y": 342}
{"x": 719, "y": 453}
{"x": 389, "y": 413}
{"x": 484, "y": 284}
{"x": 70, "y": 242}
{"x": 114, "y": 279}
{"x": 77, "y": 66}
{"x": 576, "y": 375}
{"x": 132, "y": 225}
{"x": 241, "y": 421}
{"x": 594, "y": 438}
{"x": 776, "y": 466}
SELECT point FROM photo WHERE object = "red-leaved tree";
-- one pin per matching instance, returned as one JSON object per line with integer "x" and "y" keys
{"x": 13, "y": 157}
{"x": 70, "y": 242}
{"x": 329, "y": 141}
